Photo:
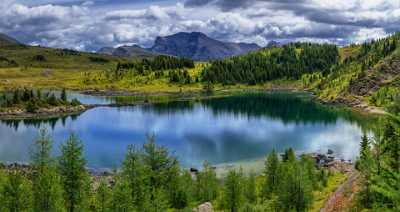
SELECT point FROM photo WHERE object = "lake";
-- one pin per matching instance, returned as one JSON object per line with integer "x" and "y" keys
{"x": 220, "y": 130}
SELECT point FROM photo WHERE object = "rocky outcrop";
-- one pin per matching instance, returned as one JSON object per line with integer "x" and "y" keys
{"x": 382, "y": 74}
{"x": 205, "y": 207}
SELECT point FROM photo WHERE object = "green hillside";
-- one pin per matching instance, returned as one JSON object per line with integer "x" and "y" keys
{"x": 366, "y": 73}
{"x": 41, "y": 57}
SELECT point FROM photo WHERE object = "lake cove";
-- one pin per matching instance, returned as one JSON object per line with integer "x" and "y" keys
{"x": 224, "y": 130}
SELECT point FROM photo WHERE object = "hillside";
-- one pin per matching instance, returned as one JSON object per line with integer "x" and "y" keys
{"x": 7, "y": 41}
{"x": 42, "y": 57}
{"x": 199, "y": 46}
{"x": 367, "y": 74}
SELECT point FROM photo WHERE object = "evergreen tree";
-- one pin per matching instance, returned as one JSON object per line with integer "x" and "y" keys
{"x": 16, "y": 193}
{"x": 64, "y": 95}
{"x": 272, "y": 175}
{"x": 296, "y": 190}
{"x": 250, "y": 188}
{"x": 233, "y": 196}
{"x": 289, "y": 155}
{"x": 121, "y": 197}
{"x": 161, "y": 168}
{"x": 103, "y": 197}
{"x": 74, "y": 177}
{"x": 206, "y": 184}
{"x": 47, "y": 191}
{"x": 134, "y": 173}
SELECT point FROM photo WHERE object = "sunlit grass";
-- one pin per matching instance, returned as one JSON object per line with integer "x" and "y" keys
{"x": 320, "y": 197}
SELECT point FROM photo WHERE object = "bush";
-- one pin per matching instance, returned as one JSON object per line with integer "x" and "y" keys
{"x": 52, "y": 100}
{"x": 75, "y": 102}
{"x": 32, "y": 106}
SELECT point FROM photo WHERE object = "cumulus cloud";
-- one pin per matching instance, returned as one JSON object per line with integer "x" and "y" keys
{"x": 86, "y": 26}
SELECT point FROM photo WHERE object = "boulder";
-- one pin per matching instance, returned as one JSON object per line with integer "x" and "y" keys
{"x": 205, "y": 207}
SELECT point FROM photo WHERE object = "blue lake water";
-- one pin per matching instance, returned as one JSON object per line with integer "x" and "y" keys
{"x": 221, "y": 130}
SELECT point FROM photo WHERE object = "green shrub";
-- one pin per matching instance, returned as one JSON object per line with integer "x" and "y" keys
{"x": 75, "y": 102}
{"x": 32, "y": 106}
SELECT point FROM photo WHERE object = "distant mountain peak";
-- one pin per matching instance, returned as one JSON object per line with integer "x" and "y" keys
{"x": 199, "y": 46}
{"x": 127, "y": 51}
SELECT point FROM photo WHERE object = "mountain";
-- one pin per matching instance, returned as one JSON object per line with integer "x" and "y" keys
{"x": 199, "y": 46}
{"x": 127, "y": 51}
{"x": 6, "y": 40}
{"x": 272, "y": 44}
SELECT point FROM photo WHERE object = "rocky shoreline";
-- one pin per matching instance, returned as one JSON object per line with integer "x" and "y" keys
{"x": 356, "y": 105}
{"x": 44, "y": 113}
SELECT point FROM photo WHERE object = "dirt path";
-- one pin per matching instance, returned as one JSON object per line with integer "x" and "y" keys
{"x": 341, "y": 199}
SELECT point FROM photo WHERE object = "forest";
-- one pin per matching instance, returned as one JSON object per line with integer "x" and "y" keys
{"x": 289, "y": 62}
{"x": 151, "y": 179}
{"x": 379, "y": 165}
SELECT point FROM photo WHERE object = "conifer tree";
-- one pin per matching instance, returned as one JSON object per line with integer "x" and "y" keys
{"x": 103, "y": 197}
{"x": 233, "y": 196}
{"x": 206, "y": 184}
{"x": 250, "y": 188}
{"x": 74, "y": 177}
{"x": 272, "y": 175}
{"x": 16, "y": 194}
{"x": 46, "y": 182}
{"x": 134, "y": 173}
{"x": 64, "y": 95}
{"x": 121, "y": 197}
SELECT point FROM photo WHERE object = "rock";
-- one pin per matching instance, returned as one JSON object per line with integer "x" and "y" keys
{"x": 205, "y": 207}
{"x": 330, "y": 152}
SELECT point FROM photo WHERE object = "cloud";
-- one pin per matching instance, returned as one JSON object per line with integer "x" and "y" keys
{"x": 86, "y": 25}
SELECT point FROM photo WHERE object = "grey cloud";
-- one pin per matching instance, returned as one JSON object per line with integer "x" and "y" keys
{"x": 82, "y": 28}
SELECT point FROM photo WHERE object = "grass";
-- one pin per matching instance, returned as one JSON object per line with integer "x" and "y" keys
{"x": 320, "y": 197}
{"x": 58, "y": 78}
{"x": 26, "y": 56}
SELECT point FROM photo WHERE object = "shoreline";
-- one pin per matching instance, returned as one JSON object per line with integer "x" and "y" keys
{"x": 354, "y": 105}
{"x": 50, "y": 113}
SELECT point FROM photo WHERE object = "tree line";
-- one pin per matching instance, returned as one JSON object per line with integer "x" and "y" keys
{"x": 32, "y": 100}
{"x": 151, "y": 179}
{"x": 289, "y": 62}
{"x": 158, "y": 63}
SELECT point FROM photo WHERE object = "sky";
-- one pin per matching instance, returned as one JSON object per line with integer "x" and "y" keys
{"x": 91, "y": 24}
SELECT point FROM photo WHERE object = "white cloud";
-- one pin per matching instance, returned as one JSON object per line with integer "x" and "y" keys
{"x": 81, "y": 26}
{"x": 366, "y": 34}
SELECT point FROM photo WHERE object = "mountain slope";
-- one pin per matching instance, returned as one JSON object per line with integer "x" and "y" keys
{"x": 5, "y": 40}
{"x": 198, "y": 46}
{"x": 128, "y": 51}
{"x": 368, "y": 75}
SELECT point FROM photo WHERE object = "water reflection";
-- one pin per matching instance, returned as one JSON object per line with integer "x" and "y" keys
{"x": 218, "y": 130}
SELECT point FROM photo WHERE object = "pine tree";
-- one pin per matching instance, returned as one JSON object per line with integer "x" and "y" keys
{"x": 289, "y": 155}
{"x": 121, "y": 197}
{"x": 272, "y": 175}
{"x": 206, "y": 184}
{"x": 103, "y": 197}
{"x": 295, "y": 190}
{"x": 64, "y": 95}
{"x": 16, "y": 194}
{"x": 233, "y": 196}
{"x": 161, "y": 168}
{"x": 250, "y": 188}
{"x": 74, "y": 177}
{"x": 46, "y": 182}
{"x": 134, "y": 173}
